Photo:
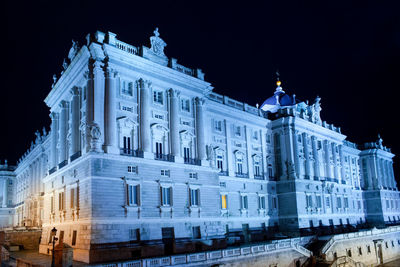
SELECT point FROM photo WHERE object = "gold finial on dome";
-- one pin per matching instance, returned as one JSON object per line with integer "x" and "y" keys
{"x": 278, "y": 83}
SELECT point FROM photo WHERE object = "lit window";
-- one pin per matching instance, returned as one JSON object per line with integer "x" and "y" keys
{"x": 223, "y": 202}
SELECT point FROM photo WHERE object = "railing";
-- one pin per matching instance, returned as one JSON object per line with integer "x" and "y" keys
{"x": 75, "y": 156}
{"x": 132, "y": 152}
{"x": 62, "y": 164}
{"x": 183, "y": 69}
{"x": 192, "y": 161}
{"x": 126, "y": 47}
{"x": 223, "y": 173}
{"x": 259, "y": 176}
{"x": 241, "y": 175}
{"x": 164, "y": 157}
{"x": 52, "y": 170}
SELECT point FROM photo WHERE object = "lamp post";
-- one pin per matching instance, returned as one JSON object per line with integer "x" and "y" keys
{"x": 53, "y": 235}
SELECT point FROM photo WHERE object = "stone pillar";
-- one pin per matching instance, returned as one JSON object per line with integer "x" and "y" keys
{"x": 63, "y": 131}
{"x": 295, "y": 153}
{"x": 75, "y": 121}
{"x": 201, "y": 147}
{"x": 335, "y": 168}
{"x": 264, "y": 153}
{"x": 5, "y": 193}
{"x": 174, "y": 122}
{"x": 250, "y": 163}
{"x": 306, "y": 155}
{"x": 317, "y": 172}
{"x": 54, "y": 140}
{"x": 327, "y": 160}
{"x": 110, "y": 119}
{"x": 144, "y": 105}
{"x": 229, "y": 153}
{"x": 342, "y": 169}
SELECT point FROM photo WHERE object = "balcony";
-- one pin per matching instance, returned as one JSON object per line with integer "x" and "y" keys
{"x": 75, "y": 156}
{"x": 132, "y": 153}
{"x": 164, "y": 157}
{"x": 343, "y": 181}
{"x": 223, "y": 173}
{"x": 241, "y": 175}
{"x": 62, "y": 164}
{"x": 259, "y": 176}
{"x": 192, "y": 161}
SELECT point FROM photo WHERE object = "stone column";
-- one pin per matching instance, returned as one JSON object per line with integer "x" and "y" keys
{"x": 110, "y": 119}
{"x": 201, "y": 147}
{"x": 264, "y": 154}
{"x": 54, "y": 140}
{"x": 342, "y": 169}
{"x": 327, "y": 160}
{"x": 144, "y": 105}
{"x": 306, "y": 155}
{"x": 317, "y": 172}
{"x": 250, "y": 163}
{"x": 63, "y": 131}
{"x": 335, "y": 168}
{"x": 295, "y": 154}
{"x": 174, "y": 122}
{"x": 229, "y": 153}
{"x": 75, "y": 121}
{"x": 5, "y": 193}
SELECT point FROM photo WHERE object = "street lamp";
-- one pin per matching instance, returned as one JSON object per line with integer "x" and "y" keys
{"x": 54, "y": 238}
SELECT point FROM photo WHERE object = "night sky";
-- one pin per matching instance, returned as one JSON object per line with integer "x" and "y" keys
{"x": 348, "y": 54}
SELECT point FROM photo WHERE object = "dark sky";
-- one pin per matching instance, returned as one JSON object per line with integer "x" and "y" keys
{"x": 348, "y": 53}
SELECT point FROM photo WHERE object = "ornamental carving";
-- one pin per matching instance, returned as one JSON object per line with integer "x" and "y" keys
{"x": 157, "y": 44}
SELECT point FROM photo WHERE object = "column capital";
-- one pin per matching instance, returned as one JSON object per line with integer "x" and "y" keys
{"x": 143, "y": 84}
{"x": 173, "y": 92}
{"x": 63, "y": 104}
{"x": 75, "y": 91}
{"x": 54, "y": 115}
{"x": 199, "y": 101}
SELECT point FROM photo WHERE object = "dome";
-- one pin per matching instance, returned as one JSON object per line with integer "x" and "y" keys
{"x": 279, "y": 99}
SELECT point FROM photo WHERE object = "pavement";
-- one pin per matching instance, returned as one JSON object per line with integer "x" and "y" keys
{"x": 34, "y": 257}
{"x": 395, "y": 263}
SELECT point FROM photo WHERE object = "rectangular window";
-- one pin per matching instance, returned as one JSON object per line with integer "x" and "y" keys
{"x": 158, "y": 97}
{"x": 61, "y": 201}
{"x": 359, "y": 204}
{"x": 72, "y": 198}
{"x": 159, "y": 149}
{"x": 134, "y": 234}
{"x": 274, "y": 204}
{"x": 186, "y": 153}
{"x": 193, "y": 175}
{"x": 308, "y": 201}
{"x": 159, "y": 116}
{"x": 223, "y": 201}
{"x": 244, "y": 202}
{"x": 127, "y": 88}
{"x": 133, "y": 169}
{"x": 346, "y": 202}
{"x": 261, "y": 202}
{"x": 196, "y": 232}
{"x": 166, "y": 196}
{"x": 74, "y": 234}
{"x": 127, "y": 144}
{"x": 218, "y": 126}
{"x": 328, "y": 202}
{"x": 237, "y": 131}
{"x": 194, "y": 195}
{"x": 220, "y": 162}
{"x": 270, "y": 173}
{"x": 185, "y": 105}
{"x": 133, "y": 195}
{"x": 339, "y": 202}
{"x": 165, "y": 173}
{"x": 319, "y": 202}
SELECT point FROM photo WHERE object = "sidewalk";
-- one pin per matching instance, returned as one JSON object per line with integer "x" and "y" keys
{"x": 36, "y": 258}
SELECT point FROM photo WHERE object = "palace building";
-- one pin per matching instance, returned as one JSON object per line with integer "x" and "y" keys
{"x": 142, "y": 156}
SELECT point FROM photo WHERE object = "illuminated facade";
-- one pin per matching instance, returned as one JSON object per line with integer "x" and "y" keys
{"x": 143, "y": 156}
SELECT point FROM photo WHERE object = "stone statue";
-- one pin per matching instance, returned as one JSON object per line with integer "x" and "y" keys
{"x": 65, "y": 64}
{"x": 380, "y": 141}
{"x": 73, "y": 50}
{"x": 37, "y": 140}
{"x": 95, "y": 134}
{"x": 157, "y": 44}
{"x": 317, "y": 110}
{"x": 54, "y": 80}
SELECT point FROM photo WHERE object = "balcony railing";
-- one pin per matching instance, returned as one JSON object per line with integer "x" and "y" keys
{"x": 223, "y": 173}
{"x": 164, "y": 157}
{"x": 75, "y": 156}
{"x": 52, "y": 170}
{"x": 241, "y": 175}
{"x": 62, "y": 164}
{"x": 259, "y": 176}
{"x": 192, "y": 161}
{"x": 132, "y": 153}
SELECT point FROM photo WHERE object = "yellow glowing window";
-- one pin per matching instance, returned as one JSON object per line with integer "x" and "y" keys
{"x": 223, "y": 201}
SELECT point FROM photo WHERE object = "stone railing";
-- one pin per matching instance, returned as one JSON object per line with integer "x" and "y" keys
{"x": 218, "y": 255}
{"x": 126, "y": 47}
{"x": 347, "y": 236}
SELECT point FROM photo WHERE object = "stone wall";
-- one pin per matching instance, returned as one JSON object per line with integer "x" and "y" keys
{"x": 28, "y": 239}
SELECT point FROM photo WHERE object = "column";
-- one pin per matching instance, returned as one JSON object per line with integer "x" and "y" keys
{"x": 342, "y": 169}
{"x": 54, "y": 140}
{"x": 307, "y": 155}
{"x": 174, "y": 122}
{"x": 250, "y": 163}
{"x": 327, "y": 160}
{"x": 5, "y": 193}
{"x": 110, "y": 120}
{"x": 144, "y": 104}
{"x": 295, "y": 154}
{"x": 334, "y": 156}
{"x": 75, "y": 121}
{"x": 229, "y": 153}
{"x": 264, "y": 154}
{"x": 63, "y": 131}
{"x": 317, "y": 172}
{"x": 201, "y": 147}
